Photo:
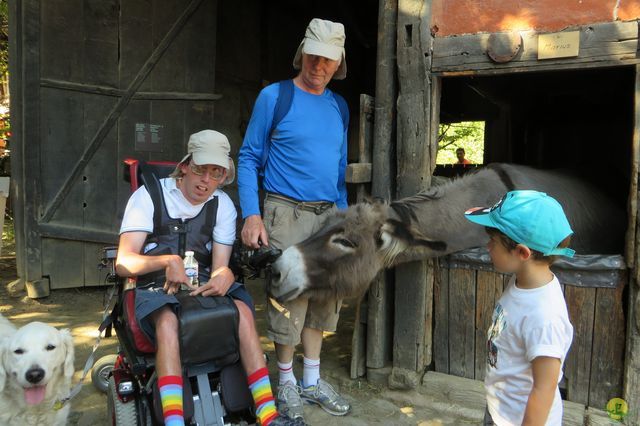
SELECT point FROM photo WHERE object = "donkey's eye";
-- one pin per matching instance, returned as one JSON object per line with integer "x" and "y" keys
{"x": 50, "y": 347}
{"x": 345, "y": 242}
{"x": 18, "y": 351}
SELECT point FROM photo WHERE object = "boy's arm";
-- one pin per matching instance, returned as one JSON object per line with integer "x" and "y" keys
{"x": 545, "y": 382}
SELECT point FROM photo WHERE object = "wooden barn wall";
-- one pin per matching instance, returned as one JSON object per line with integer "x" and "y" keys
{"x": 452, "y": 16}
{"x": 464, "y": 300}
{"x": 102, "y": 72}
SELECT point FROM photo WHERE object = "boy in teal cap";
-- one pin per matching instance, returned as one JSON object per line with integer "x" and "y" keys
{"x": 530, "y": 333}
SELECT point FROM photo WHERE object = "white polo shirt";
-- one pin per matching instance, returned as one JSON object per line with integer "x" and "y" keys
{"x": 138, "y": 215}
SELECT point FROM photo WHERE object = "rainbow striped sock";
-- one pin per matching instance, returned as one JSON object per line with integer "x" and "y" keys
{"x": 170, "y": 388}
{"x": 261, "y": 390}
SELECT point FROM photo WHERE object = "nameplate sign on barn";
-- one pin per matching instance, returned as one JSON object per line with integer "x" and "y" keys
{"x": 148, "y": 137}
{"x": 559, "y": 45}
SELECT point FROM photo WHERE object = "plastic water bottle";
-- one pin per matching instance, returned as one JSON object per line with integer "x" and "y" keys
{"x": 191, "y": 269}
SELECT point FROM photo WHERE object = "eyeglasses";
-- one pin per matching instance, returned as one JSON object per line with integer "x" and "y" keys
{"x": 215, "y": 172}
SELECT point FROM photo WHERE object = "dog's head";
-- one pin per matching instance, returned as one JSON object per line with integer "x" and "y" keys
{"x": 34, "y": 356}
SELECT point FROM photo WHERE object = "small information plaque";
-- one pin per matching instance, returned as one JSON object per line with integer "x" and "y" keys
{"x": 148, "y": 137}
{"x": 559, "y": 45}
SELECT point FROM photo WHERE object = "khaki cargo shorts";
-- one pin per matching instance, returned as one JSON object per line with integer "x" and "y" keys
{"x": 287, "y": 226}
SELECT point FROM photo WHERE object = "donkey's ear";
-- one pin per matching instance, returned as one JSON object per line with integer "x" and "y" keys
{"x": 411, "y": 236}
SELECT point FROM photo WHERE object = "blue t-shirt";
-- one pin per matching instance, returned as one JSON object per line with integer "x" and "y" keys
{"x": 307, "y": 154}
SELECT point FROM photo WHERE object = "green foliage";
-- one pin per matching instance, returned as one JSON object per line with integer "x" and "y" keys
{"x": 466, "y": 134}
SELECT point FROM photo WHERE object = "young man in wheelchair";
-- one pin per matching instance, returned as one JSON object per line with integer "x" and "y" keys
{"x": 190, "y": 194}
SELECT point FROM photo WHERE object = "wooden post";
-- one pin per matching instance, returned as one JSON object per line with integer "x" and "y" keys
{"x": 25, "y": 150}
{"x": 380, "y": 297}
{"x": 631, "y": 387}
{"x": 414, "y": 281}
{"x": 359, "y": 338}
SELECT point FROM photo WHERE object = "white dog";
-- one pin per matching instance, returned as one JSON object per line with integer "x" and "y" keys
{"x": 36, "y": 366}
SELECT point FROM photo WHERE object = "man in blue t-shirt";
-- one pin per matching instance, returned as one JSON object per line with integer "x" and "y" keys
{"x": 302, "y": 156}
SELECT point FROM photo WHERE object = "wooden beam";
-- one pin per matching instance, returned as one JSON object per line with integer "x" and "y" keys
{"x": 359, "y": 338}
{"x": 119, "y": 107}
{"x": 631, "y": 380}
{"x": 609, "y": 42}
{"x": 29, "y": 176}
{"x": 380, "y": 298}
{"x": 358, "y": 173}
{"x": 413, "y": 322}
{"x": 95, "y": 89}
{"x": 16, "y": 82}
{"x": 77, "y": 233}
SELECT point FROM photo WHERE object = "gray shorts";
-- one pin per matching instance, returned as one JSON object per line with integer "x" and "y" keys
{"x": 287, "y": 226}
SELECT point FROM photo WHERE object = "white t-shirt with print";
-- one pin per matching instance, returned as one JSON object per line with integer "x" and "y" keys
{"x": 138, "y": 215}
{"x": 526, "y": 323}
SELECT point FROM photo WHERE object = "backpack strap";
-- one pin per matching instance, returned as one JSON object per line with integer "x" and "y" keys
{"x": 283, "y": 105}
{"x": 152, "y": 184}
{"x": 344, "y": 110}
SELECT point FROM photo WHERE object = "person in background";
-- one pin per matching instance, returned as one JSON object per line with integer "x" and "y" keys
{"x": 460, "y": 154}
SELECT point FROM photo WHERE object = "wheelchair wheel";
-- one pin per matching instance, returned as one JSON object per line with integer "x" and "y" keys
{"x": 119, "y": 413}
{"x": 101, "y": 371}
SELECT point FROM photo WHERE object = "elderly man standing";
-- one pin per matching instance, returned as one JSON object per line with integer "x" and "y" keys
{"x": 297, "y": 141}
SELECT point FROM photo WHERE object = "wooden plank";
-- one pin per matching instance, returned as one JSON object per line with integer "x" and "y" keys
{"x": 111, "y": 119}
{"x": 78, "y": 233}
{"x": 441, "y": 321}
{"x": 413, "y": 325}
{"x": 16, "y": 47}
{"x": 63, "y": 271}
{"x": 358, "y": 173}
{"x": 410, "y": 316}
{"x": 456, "y": 390}
{"x": 359, "y": 337}
{"x": 607, "y": 359}
{"x": 100, "y": 41}
{"x": 379, "y": 323}
{"x": 577, "y": 367}
{"x": 115, "y": 92}
{"x": 62, "y": 25}
{"x": 631, "y": 390}
{"x": 488, "y": 291}
{"x": 610, "y": 41}
{"x": 30, "y": 131}
{"x": 632, "y": 210}
{"x": 462, "y": 295}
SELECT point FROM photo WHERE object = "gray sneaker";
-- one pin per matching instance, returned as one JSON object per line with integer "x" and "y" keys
{"x": 327, "y": 398}
{"x": 289, "y": 402}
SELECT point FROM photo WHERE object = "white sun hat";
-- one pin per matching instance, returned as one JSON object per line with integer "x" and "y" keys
{"x": 326, "y": 39}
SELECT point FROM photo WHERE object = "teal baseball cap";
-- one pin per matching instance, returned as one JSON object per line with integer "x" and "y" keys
{"x": 527, "y": 217}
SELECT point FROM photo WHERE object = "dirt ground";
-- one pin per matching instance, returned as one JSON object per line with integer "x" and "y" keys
{"x": 81, "y": 311}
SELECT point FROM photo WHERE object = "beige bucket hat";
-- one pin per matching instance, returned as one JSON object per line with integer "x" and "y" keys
{"x": 323, "y": 38}
{"x": 210, "y": 147}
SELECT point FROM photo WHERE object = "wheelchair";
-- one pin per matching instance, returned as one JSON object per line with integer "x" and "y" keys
{"x": 215, "y": 385}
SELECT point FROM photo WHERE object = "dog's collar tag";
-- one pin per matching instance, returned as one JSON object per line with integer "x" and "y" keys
{"x": 59, "y": 404}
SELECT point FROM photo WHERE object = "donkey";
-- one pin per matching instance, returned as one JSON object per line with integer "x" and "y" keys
{"x": 354, "y": 245}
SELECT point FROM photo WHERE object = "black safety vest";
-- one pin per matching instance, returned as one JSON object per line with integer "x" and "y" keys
{"x": 175, "y": 236}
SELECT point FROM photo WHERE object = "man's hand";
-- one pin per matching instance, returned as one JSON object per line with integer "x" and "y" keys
{"x": 218, "y": 285}
{"x": 175, "y": 275}
{"x": 254, "y": 232}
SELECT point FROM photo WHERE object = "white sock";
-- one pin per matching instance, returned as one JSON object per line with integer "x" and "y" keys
{"x": 286, "y": 372}
{"x": 311, "y": 373}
